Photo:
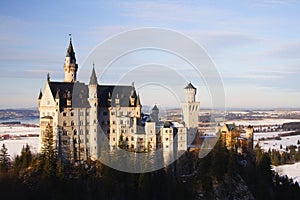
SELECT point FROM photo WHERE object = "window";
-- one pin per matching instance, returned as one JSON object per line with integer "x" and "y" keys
{"x": 72, "y": 114}
{"x": 64, "y": 114}
{"x": 126, "y": 138}
{"x": 166, "y": 131}
{"x": 87, "y": 113}
{"x": 132, "y": 138}
{"x": 167, "y": 139}
{"x": 64, "y": 123}
{"x": 113, "y": 131}
{"x": 121, "y": 122}
{"x": 72, "y": 123}
{"x": 167, "y": 146}
{"x": 112, "y": 113}
{"x": 114, "y": 139}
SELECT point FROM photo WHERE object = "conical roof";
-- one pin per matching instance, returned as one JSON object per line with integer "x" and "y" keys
{"x": 138, "y": 101}
{"x": 70, "y": 52}
{"x": 155, "y": 107}
{"x": 40, "y": 95}
{"x": 93, "y": 78}
{"x": 190, "y": 86}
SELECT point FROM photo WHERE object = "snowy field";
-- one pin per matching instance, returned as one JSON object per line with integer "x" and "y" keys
{"x": 262, "y": 122}
{"x": 292, "y": 171}
{"x": 14, "y": 146}
{"x": 275, "y": 144}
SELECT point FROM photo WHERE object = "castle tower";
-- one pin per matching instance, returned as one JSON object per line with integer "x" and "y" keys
{"x": 154, "y": 114}
{"x": 70, "y": 65}
{"x": 133, "y": 96}
{"x": 190, "y": 107}
{"x": 93, "y": 101}
{"x": 249, "y": 136}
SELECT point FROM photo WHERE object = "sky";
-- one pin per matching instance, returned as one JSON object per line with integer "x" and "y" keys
{"x": 254, "y": 45}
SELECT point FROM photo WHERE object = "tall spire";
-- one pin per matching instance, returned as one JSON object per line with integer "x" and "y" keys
{"x": 48, "y": 77}
{"x": 70, "y": 51}
{"x": 40, "y": 95}
{"x": 70, "y": 66}
{"x": 138, "y": 101}
{"x": 93, "y": 78}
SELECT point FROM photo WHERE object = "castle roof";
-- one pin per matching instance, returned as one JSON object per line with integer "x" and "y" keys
{"x": 231, "y": 127}
{"x": 40, "y": 95}
{"x": 155, "y": 107}
{"x": 190, "y": 86}
{"x": 70, "y": 52}
{"x": 79, "y": 94}
{"x": 138, "y": 101}
{"x": 77, "y": 90}
{"x": 93, "y": 78}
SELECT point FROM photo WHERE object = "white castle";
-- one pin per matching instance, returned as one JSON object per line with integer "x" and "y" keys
{"x": 81, "y": 115}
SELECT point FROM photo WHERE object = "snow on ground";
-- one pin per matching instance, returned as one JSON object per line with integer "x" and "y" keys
{"x": 268, "y": 121}
{"x": 291, "y": 171}
{"x": 275, "y": 144}
{"x": 18, "y": 130}
{"x": 14, "y": 147}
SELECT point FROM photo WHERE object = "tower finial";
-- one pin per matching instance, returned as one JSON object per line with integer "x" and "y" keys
{"x": 70, "y": 35}
{"x": 48, "y": 77}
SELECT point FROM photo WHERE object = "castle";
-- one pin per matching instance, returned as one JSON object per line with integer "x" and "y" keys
{"x": 232, "y": 138}
{"x": 81, "y": 115}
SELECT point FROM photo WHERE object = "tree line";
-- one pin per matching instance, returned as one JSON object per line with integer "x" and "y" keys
{"x": 217, "y": 175}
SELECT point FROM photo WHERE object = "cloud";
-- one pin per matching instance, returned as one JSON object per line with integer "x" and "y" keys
{"x": 169, "y": 12}
{"x": 288, "y": 50}
{"x": 268, "y": 3}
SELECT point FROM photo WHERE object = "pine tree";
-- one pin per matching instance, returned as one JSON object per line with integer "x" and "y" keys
{"x": 4, "y": 159}
{"x": 48, "y": 153}
{"x": 26, "y": 156}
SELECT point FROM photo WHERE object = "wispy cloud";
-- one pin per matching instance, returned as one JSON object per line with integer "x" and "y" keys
{"x": 266, "y": 3}
{"x": 169, "y": 12}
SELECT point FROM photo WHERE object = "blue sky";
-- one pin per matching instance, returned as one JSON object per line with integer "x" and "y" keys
{"x": 255, "y": 45}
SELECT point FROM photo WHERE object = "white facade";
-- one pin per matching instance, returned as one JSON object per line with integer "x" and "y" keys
{"x": 81, "y": 115}
{"x": 190, "y": 108}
